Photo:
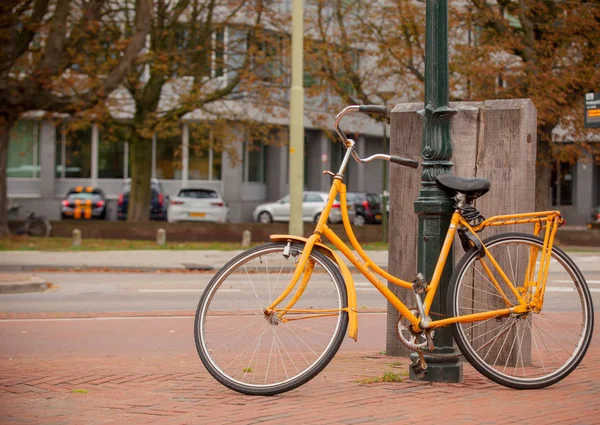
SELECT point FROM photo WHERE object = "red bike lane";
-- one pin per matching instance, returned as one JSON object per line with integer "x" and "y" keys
{"x": 130, "y": 370}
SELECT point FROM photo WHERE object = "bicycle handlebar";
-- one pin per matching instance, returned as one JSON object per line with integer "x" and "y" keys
{"x": 369, "y": 109}
{"x": 404, "y": 161}
{"x": 373, "y": 109}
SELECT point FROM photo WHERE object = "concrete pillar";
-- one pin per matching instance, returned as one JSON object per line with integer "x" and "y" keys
{"x": 359, "y": 183}
{"x": 232, "y": 176}
{"x": 325, "y": 144}
{"x": 47, "y": 148}
{"x": 277, "y": 174}
{"x": 154, "y": 155}
{"x": 126, "y": 160}
{"x": 185, "y": 154}
{"x": 494, "y": 139}
{"x": 95, "y": 141}
{"x": 583, "y": 198}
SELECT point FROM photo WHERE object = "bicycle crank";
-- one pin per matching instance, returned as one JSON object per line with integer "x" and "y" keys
{"x": 419, "y": 342}
{"x": 413, "y": 340}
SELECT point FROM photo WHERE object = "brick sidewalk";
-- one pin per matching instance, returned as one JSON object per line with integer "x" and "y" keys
{"x": 177, "y": 390}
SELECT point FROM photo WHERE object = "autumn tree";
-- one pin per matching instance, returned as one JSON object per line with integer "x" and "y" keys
{"x": 58, "y": 56}
{"x": 546, "y": 50}
{"x": 200, "y": 54}
{"x": 366, "y": 52}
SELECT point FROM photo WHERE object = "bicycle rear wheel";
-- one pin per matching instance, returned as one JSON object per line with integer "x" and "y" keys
{"x": 38, "y": 227}
{"x": 523, "y": 351}
{"x": 253, "y": 353}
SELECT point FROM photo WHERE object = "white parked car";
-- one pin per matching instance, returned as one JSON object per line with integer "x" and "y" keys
{"x": 312, "y": 206}
{"x": 198, "y": 204}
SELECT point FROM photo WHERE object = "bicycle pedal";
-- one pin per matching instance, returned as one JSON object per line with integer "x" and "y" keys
{"x": 417, "y": 369}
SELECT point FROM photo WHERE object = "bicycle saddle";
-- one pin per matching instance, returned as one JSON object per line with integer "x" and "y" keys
{"x": 473, "y": 188}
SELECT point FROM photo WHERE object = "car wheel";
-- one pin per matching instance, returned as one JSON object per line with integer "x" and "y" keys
{"x": 265, "y": 218}
{"x": 359, "y": 220}
{"x": 317, "y": 217}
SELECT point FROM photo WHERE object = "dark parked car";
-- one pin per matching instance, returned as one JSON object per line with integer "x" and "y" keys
{"x": 159, "y": 200}
{"x": 84, "y": 203}
{"x": 367, "y": 207}
{"x": 594, "y": 218}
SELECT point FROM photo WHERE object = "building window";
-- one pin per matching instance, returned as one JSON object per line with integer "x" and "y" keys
{"x": 199, "y": 56}
{"x": 112, "y": 151}
{"x": 270, "y": 60}
{"x": 110, "y": 160}
{"x": 23, "y": 150}
{"x": 168, "y": 158}
{"x": 563, "y": 183}
{"x": 73, "y": 153}
{"x": 218, "y": 56}
{"x": 204, "y": 161}
{"x": 255, "y": 162}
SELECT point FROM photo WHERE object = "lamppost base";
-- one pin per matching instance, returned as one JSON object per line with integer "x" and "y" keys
{"x": 439, "y": 369}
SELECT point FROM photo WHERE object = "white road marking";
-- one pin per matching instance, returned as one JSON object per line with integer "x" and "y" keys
{"x": 185, "y": 290}
{"x": 73, "y": 319}
{"x": 591, "y": 282}
{"x": 557, "y": 289}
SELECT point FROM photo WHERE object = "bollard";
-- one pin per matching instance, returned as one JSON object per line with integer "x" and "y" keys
{"x": 76, "y": 237}
{"x": 161, "y": 237}
{"x": 246, "y": 237}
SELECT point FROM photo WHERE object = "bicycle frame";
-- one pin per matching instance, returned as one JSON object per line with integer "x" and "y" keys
{"x": 527, "y": 299}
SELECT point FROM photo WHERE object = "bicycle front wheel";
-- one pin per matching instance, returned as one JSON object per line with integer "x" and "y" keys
{"x": 522, "y": 351}
{"x": 258, "y": 354}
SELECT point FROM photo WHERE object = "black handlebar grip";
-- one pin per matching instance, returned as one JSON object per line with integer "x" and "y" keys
{"x": 404, "y": 161}
{"x": 373, "y": 109}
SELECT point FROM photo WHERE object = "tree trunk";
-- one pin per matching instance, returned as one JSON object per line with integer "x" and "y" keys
{"x": 5, "y": 127}
{"x": 543, "y": 169}
{"x": 141, "y": 173}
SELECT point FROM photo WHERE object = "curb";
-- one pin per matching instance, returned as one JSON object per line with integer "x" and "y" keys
{"x": 184, "y": 268}
{"x": 20, "y": 285}
{"x": 71, "y": 267}
{"x": 126, "y": 314}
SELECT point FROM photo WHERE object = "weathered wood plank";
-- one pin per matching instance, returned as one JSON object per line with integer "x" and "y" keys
{"x": 492, "y": 139}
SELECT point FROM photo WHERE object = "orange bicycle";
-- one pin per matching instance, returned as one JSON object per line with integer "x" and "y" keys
{"x": 521, "y": 311}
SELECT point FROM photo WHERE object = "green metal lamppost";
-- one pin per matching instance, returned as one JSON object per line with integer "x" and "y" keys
{"x": 433, "y": 207}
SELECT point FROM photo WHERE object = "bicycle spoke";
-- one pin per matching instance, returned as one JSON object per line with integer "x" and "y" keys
{"x": 255, "y": 353}
{"x": 531, "y": 350}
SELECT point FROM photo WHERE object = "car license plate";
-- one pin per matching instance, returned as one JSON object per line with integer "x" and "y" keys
{"x": 197, "y": 214}
{"x": 377, "y": 216}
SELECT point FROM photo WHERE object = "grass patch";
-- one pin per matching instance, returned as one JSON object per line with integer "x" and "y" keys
{"x": 386, "y": 377}
{"x": 79, "y": 391}
{"x": 374, "y": 246}
{"x": 30, "y": 243}
{"x": 247, "y": 370}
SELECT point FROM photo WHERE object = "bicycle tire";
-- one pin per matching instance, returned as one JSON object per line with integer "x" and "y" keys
{"x": 38, "y": 226}
{"x": 543, "y": 356}
{"x": 248, "y": 352}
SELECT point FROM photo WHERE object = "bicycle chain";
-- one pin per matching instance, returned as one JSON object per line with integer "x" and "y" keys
{"x": 428, "y": 353}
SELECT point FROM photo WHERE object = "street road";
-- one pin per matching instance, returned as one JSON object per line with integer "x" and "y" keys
{"x": 138, "y": 292}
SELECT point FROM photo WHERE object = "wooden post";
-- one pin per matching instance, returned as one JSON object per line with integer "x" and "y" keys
{"x": 494, "y": 139}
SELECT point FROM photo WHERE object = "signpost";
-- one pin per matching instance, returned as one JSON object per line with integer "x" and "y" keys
{"x": 591, "y": 110}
